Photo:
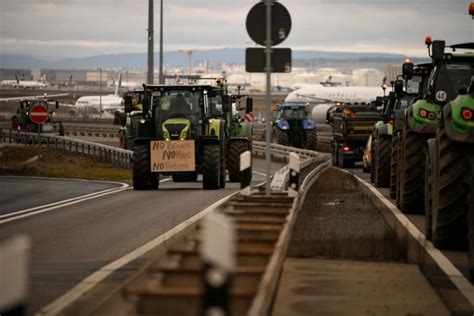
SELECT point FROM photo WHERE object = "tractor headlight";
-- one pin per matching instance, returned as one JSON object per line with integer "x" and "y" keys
{"x": 166, "y": 135}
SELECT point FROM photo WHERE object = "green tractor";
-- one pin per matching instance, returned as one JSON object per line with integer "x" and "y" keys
{"x": 186, "y": 130}
{"x": 128, "y": 120}
{"x": 450, "y": 164}
{"x": 22, "y": 121}
{"x": 414, "y": 126}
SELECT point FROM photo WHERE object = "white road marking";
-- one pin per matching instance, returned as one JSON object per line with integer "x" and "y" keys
{"x": 464, "y": 286}
{"x": 95, "y": 278}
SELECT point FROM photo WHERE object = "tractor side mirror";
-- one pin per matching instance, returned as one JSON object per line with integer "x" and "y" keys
{"x": 249, "y": 107}
{"x": 438, "y": 51}
{"x": 128, "y": 103}
{"x": 226, "y": 103}
{"x": 407, "y": 71}
{"x": 399, "y": 87}
{"x": 56, "y": 105}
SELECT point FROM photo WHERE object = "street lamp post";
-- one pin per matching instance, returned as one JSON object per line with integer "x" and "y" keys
{"x": 150, "y": 43}
{"x": 100, "y": 93}
{"x": 161, "y": 78}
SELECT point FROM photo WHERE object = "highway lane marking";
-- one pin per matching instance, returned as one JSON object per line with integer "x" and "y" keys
{"x": 52, "y": 208}
{"x": 57, "y": 203}
{"x": 464, "y": 286}
{"x": 95, "y": 278}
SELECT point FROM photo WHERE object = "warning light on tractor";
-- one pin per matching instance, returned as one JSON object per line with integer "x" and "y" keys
{"x": 428, "y": 40}
{"x": 471, "y": 9}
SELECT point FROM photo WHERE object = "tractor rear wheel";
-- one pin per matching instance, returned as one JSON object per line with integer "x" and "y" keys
{"x": 281, "y": 137}
{"x": 381, "y": 163}
{"x": 236, "y": 148}
{"x": 412, "y": 164}
{"x": 374, "y": 157}
{"x": 311, "y": 139}
{"x": 143, "y": 178}
{"x": 450, "y": 198}
{"x": 393, "y": 167}
{"x": 211, "y": 167}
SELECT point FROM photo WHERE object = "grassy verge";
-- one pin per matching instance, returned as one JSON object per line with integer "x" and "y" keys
{"x": 57, "y": 164}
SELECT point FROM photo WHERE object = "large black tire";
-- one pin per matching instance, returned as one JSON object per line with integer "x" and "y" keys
{"x": 211, "y": 167}
{"x": 311, "y": 139}
{"x": 61, "y": 129}
{"x": 381, "y": 163}
{"x": 411, "y": 175}
{"x": 450, "y": 196}
{"x": 223, "y": 157}
{"x": 393, "y": 167}
{"x": 470, "y": 215}
{"x": 334, "y": 154}
{"x": 236, "y": 148}
{"x": 281, "y": 137}
{"x": 428, "y": 197}
{"x": 143, "y": 178}
{"x": 185, "y": 177}
{"x": 374, "y": 157}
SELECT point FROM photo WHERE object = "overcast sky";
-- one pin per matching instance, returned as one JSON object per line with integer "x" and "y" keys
{"x": 78, "y": 28}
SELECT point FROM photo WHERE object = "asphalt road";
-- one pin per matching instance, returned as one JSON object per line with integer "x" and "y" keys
{"x": 71, "y": 242}
{"x": 18, "y": 193}
{"x": 458, "y": 258}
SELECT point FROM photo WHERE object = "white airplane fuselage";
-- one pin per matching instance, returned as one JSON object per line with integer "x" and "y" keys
{"x": 324, "y": 94}
{"x": 105, "y": 103}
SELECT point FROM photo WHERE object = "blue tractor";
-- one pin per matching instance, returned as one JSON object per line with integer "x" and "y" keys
{"x": 293, "y": 128}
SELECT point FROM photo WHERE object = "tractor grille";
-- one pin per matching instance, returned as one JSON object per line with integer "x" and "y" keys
{"x": 175, "y": 130}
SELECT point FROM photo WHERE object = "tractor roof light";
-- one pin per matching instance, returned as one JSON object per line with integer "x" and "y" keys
{"x": 428, "y": 40}
{"x": 471, "y": 9}
{"x": 407, "y": 61}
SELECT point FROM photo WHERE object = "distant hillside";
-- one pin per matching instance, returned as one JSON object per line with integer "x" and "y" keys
{"x": 174, "y": 58}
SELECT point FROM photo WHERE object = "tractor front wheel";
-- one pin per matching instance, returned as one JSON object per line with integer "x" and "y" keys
{"x": 143, "y": 178}
{"x": 211, "y": 167}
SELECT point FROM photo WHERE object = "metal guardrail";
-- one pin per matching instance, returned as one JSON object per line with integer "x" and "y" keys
{"x": 116, "y": 156}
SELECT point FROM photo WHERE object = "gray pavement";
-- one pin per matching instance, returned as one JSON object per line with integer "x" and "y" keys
{"x": 72, "y": 242}
{"x": 18, "y": 193}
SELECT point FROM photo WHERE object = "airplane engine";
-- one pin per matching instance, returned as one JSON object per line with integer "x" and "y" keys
{"x": 319, "y": 113}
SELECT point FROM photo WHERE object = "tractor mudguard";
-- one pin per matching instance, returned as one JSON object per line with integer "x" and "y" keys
{"x": 144, "y": 129}
{"x": 457, "y": 128}
{"x": 424, "y": 125}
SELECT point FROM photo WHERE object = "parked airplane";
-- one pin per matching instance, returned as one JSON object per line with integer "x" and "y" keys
{"x": 106, "y": 103}
{"x": 27, "y": 84}
{"x": 322, "y": 97}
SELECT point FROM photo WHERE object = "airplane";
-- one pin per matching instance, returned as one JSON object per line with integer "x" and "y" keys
{"x": 27, "y": 84}
{"x": 106, "y": 103}
{"x": 321, "y": 98}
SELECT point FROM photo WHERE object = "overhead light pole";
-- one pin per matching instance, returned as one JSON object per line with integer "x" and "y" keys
{"x": 150, "y": 43}
{"x": 100, "y": 92}
{"x": 161, "y": 78}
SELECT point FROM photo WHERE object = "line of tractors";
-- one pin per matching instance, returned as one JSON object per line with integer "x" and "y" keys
{"x": 423, "y": 147}
{"x": 204, "y": 117}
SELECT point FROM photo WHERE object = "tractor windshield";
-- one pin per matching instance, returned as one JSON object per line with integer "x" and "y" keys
{"x": 446, "y": 79}
{"x": 175, "y": 104}
{"x": 414, "y": 85}
{"x": 294, "y": 113}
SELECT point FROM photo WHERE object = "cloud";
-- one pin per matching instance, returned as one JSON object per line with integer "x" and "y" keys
{"x": 76, "y": 28}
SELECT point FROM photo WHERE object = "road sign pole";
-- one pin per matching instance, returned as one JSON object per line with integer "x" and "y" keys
{"x": 39, "y": 146}
{"x": 268, "y": 106}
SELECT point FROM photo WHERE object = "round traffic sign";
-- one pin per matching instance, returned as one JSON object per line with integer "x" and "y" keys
{"x": 38, "y": 113}
{"x": 257, "y": 19}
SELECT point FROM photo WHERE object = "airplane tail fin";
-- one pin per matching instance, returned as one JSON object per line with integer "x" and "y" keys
{"x": 119, "y": 84}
